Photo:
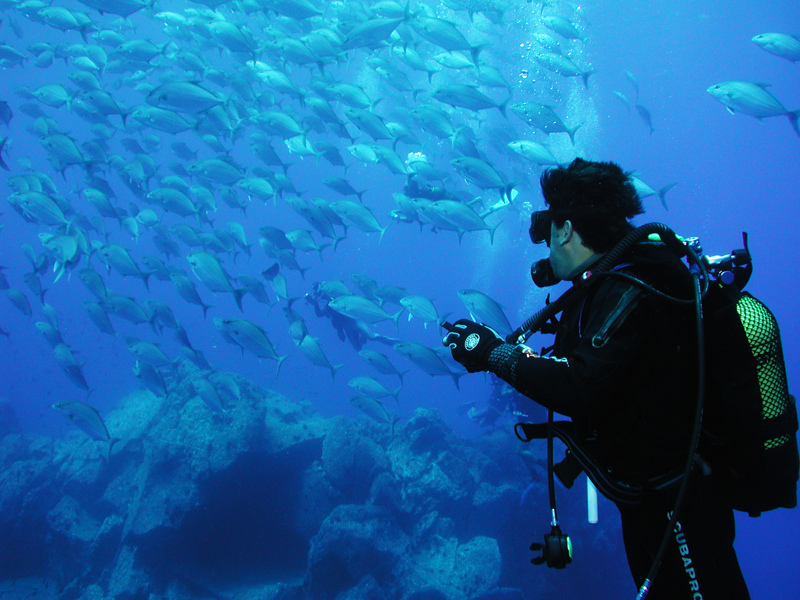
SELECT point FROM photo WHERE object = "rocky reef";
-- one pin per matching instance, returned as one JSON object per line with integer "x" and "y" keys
{"x": 267, "y": 500}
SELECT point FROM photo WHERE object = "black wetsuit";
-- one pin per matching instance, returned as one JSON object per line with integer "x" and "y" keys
{"x": 632, "y": 398}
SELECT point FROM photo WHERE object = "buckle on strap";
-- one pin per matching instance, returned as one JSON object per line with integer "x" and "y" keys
{"x": 617, "y": 491}
{"x": 616, "y": 317}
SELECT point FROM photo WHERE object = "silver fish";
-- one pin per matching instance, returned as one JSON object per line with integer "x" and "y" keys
{"x": 381, "y": 363}
{"x": 86, "y": 418}
{"x": 369, "y": 386}
{"x": 251, "y": 337}
{"x": 362, "y": 309}
{"x": 312, "y": 350}
{"x": 99, "y": 317}
{"x": 780, "y": 44}
{"x": 183, "y": 96}
{"x": 486, "y": 310}
{"x": 208, "y": 393}
{"x": 752, "y": 99}
{"x": 147, "y": 352}
{"x": 208, "y": 269}
{"x": 374, "y": 410}
{"x": 426, "y": 360}
{"x": 151, "y": 378}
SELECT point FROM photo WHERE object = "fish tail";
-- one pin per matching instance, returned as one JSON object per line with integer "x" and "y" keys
{"x": 793, "y": 116}
{"x": 663, "y": 192}
{"x": 237, "y": 296}
{"x": 571, "y": 133}
{"x": 407, "y": 14}
{"x": 456, "y": 377}
{"x": 475, "y": 51}
{"x": 111, "y": 443}
{"x": 320, "y": 248}
{"x": 2, "y": 162}
{"x": 280, "y": 362}
{"x": 205, "y": 308}
{"x": 154, "y": 325}
{"x": 334, "y": 370}
{"x": 506, "y": 190}
{"x": 502, "y": 107}
{"x": 492, "y": 230}
{"x": 383, "y": 230}
{"x": 396, "y": 317}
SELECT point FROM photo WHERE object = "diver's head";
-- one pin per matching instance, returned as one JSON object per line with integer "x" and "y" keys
{"x": 598, "y": 198}
{"x": 589, "y": 207}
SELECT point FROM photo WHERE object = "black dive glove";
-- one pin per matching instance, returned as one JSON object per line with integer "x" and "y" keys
{"x": 471, "y": 343}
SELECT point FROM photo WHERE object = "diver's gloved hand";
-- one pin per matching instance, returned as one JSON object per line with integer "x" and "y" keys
{"x": 471, "y": 343}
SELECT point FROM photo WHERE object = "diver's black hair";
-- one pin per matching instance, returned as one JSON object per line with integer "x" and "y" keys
{"x": 597, "y": 197}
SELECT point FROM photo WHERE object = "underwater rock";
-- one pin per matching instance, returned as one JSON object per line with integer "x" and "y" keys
{"x": 458, "y": 571}
{"x": 432, "y": 466}
{"x": 355, "y": 541}
{"x": 352, "y": 459}
{"x": 476, "y": 568}
{"x": 492, "y": 507}
{"x": 191, "y": 498}
{"x": 26, "y": 494}
{"x": 70, "y": 520}
{"x": 292, "y": 425}
{"x": 317, "y": 499}
{"x": 501, "y": 594}
{"x": 366, "y": 589}
{"x": 428, "y": 593}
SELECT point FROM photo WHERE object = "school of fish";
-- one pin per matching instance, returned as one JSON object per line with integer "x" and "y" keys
{"x": 172, "y": 142}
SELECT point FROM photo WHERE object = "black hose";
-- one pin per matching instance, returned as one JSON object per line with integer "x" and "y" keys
{"x": 698, "y": 421}
{"x": 668, "y": 237}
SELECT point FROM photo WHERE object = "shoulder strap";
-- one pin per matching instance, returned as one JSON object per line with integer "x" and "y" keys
{"x": 616, "y": 317}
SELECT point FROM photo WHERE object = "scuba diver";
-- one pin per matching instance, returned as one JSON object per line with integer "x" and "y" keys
{"x": 354, "y": 331}
{"x": 624, "y": 368}
{"x": 420, "y": 172}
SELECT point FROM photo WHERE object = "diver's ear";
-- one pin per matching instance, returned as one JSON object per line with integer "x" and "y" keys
{"x": 567, "y": 231}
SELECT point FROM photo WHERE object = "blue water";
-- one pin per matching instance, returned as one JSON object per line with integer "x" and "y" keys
{"x": 732, "y": 173}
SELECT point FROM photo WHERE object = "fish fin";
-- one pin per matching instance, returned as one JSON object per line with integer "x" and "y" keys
{"x": 280, "y": 362}
{"x": 663, "y": 192}
{"x": 456, "y": 377}
{"x": 334, "y": 370}
{"x": 397, "y": 316}
{"x": 2, "y": 162}
{"x": 492, "y": 230}
{"x": 237, "y": 296}
{"x": 205, "y": 308}
{"x": 502, "y": 107}
{"x": 793, "y": 116}
{"x": 571, "y": 133}
{"x": 111, "y": 443}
